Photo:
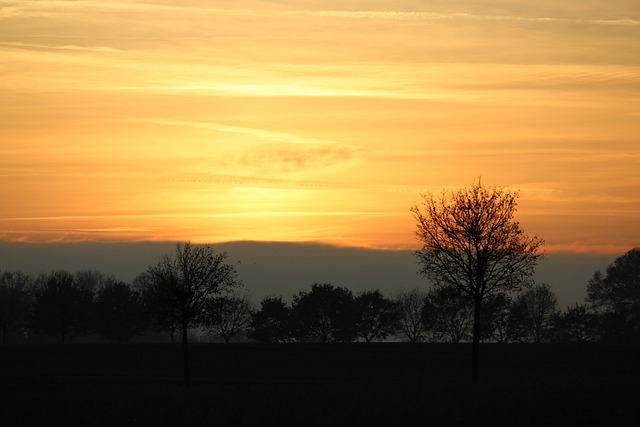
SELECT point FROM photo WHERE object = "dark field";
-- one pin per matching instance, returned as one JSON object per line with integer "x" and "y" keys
{"x": 322, "y": 385}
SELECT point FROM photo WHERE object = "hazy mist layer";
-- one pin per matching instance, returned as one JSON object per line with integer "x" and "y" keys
{"x": 287, "y": 268}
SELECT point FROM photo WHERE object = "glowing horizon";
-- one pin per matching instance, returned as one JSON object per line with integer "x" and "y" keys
{"x": 315, "y": 122}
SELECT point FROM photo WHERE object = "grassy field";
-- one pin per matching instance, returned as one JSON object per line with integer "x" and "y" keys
{"x": 319, "y": 385}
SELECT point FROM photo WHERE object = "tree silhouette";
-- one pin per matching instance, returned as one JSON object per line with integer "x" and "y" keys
{"x": 15, "y": 301}
{"x": 325, "y": 314}
{"x": 410, "y": 311}
{"x": 158, "y": 321}
{"x": 92, "y": 280}
{"x": 119, "y": 313}
{"x": 62, "y": 307}
{"x": 447, "y": 314}
{"x": 228, "y": 316}
{"x": 180, "y": 287}
{"x": 576, "y": 324}
{"x": 272, "y": 322}
{"x": 471, "y": 241}
{"x": 615, "y": 298}
{"x": 533, "y": 314}
{"x": 495, "y": 318}
{"x": 377, "y": 316}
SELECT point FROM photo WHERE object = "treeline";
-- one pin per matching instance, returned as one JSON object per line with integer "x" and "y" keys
{"x": 67, "y": 306}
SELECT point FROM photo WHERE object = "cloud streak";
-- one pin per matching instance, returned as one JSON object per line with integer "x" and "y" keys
{"x": 436, "y": 16}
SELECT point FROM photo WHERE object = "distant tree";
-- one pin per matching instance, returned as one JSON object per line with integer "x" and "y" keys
{"x": 409, "y": 305}
{"x": 325, "y": 314}
{"x": 62, "y": 307}
{"x": 448, "y": 315}
{"x": 119, "y": 313}
{"x": 533, "y": 315}
{"x": 160, "y": 323}
{"x": 229, "y": 316}
{"x": 495, "y": 318}
{"x": 180, "y": 287}
{"x": 92, "y": 280}
{"x": 377, "y": 316}
{"x": 615, "y": 298}
{"x": 576, "y": 324}
{"x": 271, "y": 323}
{"x": 15, "y": 301}
{"x": 470, "y": 241}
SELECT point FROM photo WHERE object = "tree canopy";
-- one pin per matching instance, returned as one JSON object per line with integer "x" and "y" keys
{"x": 62, "y": 306}
{"x": 119, "y": 313}
{"x": 325, "y": 314}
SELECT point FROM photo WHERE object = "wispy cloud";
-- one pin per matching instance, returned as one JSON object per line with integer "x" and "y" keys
{"x": 274, "y": 153}
{"x": 99, "y": 49}
{"x": 432, "y": 16}
{"x": 260, "y": 133}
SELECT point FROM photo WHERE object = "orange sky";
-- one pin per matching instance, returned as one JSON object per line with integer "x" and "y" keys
{"x": 315, "y": 120}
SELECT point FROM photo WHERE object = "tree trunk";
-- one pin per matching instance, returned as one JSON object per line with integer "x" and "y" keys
{"x": 185, "y": 355}
{"x": 475, "y": 356}
{"x": 4, "y": 334}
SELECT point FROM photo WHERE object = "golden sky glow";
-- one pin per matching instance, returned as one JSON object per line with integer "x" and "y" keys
{"x": 315, "y": 120}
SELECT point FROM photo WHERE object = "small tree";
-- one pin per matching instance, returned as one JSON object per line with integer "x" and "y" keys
{"x": 15, "y": 301}
{"x": 272, "y": 322}
{"x": 376, "y": 316}
{"x": 119, "y": 313}
{"x": 229, "y": 316}
{"x": 470, "y": 241}
{"x": 533, "y": 314}
{"x": 448, "y": 315}
{"x": 409, "y": 306}
{"x": 180, "y": 287}
{"x": 62, "y": 307}
{"x": 325, "y": 314}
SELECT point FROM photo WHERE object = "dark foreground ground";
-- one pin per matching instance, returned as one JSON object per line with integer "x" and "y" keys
{"x": 319, "y": 385}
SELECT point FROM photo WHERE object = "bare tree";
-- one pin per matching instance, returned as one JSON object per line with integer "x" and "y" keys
{"x": 229, "y": 316}
{"x": 182, "y": 284}
{"x": 470, "y": 241}
{"x": 15, "y": 301}
{"x": 410, "y": 314}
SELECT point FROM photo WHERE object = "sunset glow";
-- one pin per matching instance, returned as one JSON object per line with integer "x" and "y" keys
{"x": 316, "y": 121}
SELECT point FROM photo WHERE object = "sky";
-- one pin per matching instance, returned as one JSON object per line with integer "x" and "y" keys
{"x": 316, "y": 120}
